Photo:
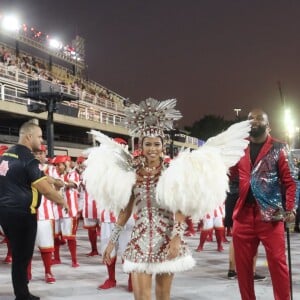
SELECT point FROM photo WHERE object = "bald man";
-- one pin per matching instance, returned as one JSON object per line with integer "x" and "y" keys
{"x": 21, "y": 181}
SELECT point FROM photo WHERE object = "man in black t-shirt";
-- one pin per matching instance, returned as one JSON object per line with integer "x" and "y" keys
{"x": 21, "y": 181}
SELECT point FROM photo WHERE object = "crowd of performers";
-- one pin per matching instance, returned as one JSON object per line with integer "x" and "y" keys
{"x": 57, "y": 227}
{"x": 152, "y": 199}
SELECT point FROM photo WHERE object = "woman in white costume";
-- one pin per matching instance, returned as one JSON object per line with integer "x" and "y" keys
{"x": 156, "y": 245}
{"x": 159, "y": 195}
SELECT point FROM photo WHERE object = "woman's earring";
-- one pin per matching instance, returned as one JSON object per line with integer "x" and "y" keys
{"x": 143, "y": 160}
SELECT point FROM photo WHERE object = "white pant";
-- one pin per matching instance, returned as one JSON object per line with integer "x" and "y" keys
{"x": 45, "y": 234}
{"x": 212, "y": 222}
{"x": 106, "y": 230}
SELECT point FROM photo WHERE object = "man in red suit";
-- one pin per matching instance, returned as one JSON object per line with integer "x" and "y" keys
{"x": 266, "y": 200}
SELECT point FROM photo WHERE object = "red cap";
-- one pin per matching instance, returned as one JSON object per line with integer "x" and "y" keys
{"x": 50, "y": 160}
{"x": 137, "y": 152}
{"x": 80, "y": 159}
{"x": 3, "y": 148}
{"x": 167, "y": 159}
{"x": 60, "y": 159}
{"x": 43, "y": 148}
{"x": 120, "y": 141}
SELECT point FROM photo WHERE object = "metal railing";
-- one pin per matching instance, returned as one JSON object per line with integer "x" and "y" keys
{"x": 13, "y": 85}
{"x": 15, "y": 75}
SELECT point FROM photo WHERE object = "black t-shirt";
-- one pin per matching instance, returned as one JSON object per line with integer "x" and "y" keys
{"x": 18, "y": 170}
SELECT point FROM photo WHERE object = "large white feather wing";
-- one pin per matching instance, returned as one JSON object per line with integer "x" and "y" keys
{"x": 231, "y": 142}
{"x": 196, "y": 182}
{"x": 108, "y": 175}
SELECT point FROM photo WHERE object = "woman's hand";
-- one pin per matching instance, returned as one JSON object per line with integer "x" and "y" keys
{"x": 173, "y": 247}
{"x": 107, "y": 252}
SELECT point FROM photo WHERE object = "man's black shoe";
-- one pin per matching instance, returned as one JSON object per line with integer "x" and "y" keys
{"x": 258, "y": 277}
{"x": 296, "y": 229}
{"x": 231, "y": 274}
{"x": 32, "y": 297}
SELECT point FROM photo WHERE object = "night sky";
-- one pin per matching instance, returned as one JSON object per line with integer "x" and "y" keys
{"x": 213, "y": 56}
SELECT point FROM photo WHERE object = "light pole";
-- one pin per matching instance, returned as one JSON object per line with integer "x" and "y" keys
{"x": 289, "y": 126}
{"x": 49, "y": 94}
{"x": 237, "y": 112}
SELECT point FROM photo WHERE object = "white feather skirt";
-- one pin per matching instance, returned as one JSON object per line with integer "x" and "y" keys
{"x": 169, "y": 266}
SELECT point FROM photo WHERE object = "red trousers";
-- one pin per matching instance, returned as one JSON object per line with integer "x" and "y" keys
{"x": 248, "y": 231}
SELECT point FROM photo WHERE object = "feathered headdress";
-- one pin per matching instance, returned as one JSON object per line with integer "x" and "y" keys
{"x": 151, "y": 117}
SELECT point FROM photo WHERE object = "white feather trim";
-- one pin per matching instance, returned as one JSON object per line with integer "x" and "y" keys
{"x": 170, "y": 266}
{"x": 231, "y": 142}
{"x": 107, "y": 176}
{"x": 196, "y": 182}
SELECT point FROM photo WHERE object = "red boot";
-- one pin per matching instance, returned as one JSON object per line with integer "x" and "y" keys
{"x": 49, "y": 278}
{"x": 92, "y": 233}
{"x": 62, "y": 240}
{"x": 111, "y": 281}
{"x": 46, "y": 257}
{"x": 190, "y": 230}
{"x": 224, "y": 237}
{"x": 200, "y": 226}
{"x": 209, "y": 237}
{"x": 56, "y": 260}
{"x": 228, "y": 231}
{"x": 72, "y": 247}
{"x": 203, "y": 237}
{"x": 219, "y": 236}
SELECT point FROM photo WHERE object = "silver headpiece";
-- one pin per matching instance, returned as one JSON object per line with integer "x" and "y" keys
{"x": 151, "y": 117}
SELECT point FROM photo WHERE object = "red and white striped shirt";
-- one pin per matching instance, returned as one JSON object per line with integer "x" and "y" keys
{"x": 70, "y": 195}
{"x": 89, "y": 207}
{"x": 45, "y": 210}
{"x": 107, "y": 216}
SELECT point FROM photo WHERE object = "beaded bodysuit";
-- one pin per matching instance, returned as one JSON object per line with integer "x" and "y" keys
{"x": 147, "y": 249}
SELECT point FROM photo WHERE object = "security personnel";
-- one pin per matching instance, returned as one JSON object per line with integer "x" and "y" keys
{"x": 21, "y": 180}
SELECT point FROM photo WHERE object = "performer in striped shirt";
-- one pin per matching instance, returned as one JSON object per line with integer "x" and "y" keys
{"x": 45, "y": 217}
{"x": 213, "y": 221}
{"x": 108, "y": 220}
{"x": 66, "y": 222}
{"x": 88, "y": 208}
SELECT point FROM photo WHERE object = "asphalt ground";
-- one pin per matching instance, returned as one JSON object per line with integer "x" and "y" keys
{"x": 208, "y": 280}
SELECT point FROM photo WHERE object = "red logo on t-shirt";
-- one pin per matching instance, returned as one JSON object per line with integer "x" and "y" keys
{"x": 3, "y": 168}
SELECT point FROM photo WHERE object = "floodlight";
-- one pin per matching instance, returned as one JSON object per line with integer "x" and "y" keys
{"x": 11, "y": 23}
{"x": 54, "y": 43}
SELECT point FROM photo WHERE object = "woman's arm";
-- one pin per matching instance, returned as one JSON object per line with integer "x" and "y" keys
{"x": 176, "y": 236}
